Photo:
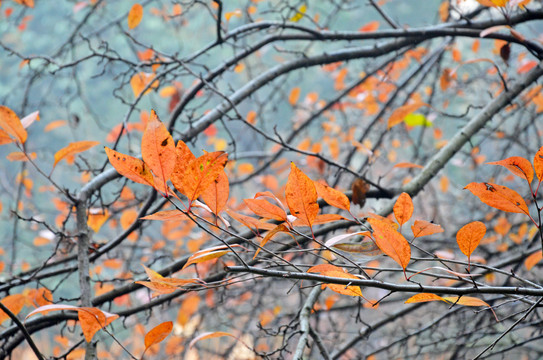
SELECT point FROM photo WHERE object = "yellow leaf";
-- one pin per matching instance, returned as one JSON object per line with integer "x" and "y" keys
{"x": 299, "y": 13}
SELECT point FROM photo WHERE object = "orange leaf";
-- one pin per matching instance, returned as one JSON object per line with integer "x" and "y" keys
{"x": 533, "y": 259}
{"x": 209, "y": 335}
{"x": 10, "y": 123}
{"x": 332, "y": 196}
{"x": 518, "y": 166}
{"x": 294, "y": 96}
{"x": 499, "y": 197}
{"x": 96, "y": 218}
{"x": 403, "y": 208}
{"x": 466, "y": 301}
{"x": 265, "y": 209}
{"x": 408, "y": 165}
{"x": 14, "y": 303}
{"x": 538, "y": 164}
{"x": 202, "y": 172}
{"x": 423, "y": 297}
{"x": 216, "y": 195}
{"x": 335, "y": 271}
{"x": 139, "y": 81}
{"x": 73, "y": 148}
{"x": 301, "y": 196}
{"x": 321, "y": 219}
{"x": 135, "y": 15}
{"x": 391, "y": 242}
{"x": 55, "y": 124}
{"x": 272, "y": 233}
{"x": 166, "y": 215}
{"x": 370, "y": 27}
{"x": 351, "y": 290}
{"x": 130, "y": 167}
{"x": 20, "y": 156}
{"x": 5, "y": 138}
{"x": 205, "y": 255}
{"x": 425, "y": 228}
{"x": 184, "y": 157}
{"x": 469, "y": 237}
{"x": 158, "y": 149}
{"x": 400, "y": 113}
{"x": 91, "y": 319}
{"x": 157, "y": 334}
{"x": 158, "y": 287}
{"x": 250, "y": 222}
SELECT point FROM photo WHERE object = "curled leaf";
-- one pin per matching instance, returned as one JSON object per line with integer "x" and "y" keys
{"x": 518, "y": 166}
{"x": 360, "y": 189}
{"x": 209, "y": 335}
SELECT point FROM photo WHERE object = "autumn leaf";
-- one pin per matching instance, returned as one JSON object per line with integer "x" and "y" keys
{"x": 361, "y": 253}
{"x": 425, "y": 228}
{"x": 5, "y": 138}
{"x": 183, "y": 158}
{"x": 72, "y": 149}
{"x": 166, "y": 215}
{"x": 209, "y": 335}
{"x": 518, "y": 166}
{"x": 469, "y": 237}
{"x": 216, "y": 195}
{"x": 279, "y": 228}
{"x": 538, "y": 164}
{"x": 408, "y": 165}
{"x": 91, "y": 319}
{"x": 423, "y": 297}
{"x": 10, "y": 123}
{"x": 332, "y": 196}
{"x": 157, "y": 334}
{"x": 391, "y": 242}
{"x": 130, "y": 167}
{"x": 294, "y": 96}
{"x": 250, "y": 222}
{"x": 158, "y": 149}
{"x": 14, "y": 303}
{"x": 299, "y": 13}
{"x": 265, "y": 209}
{"x": 360, "y": 189}
{"x": 21, "y": 156}
{"x": 400, "y": 113}
{"x": 499, "y": 197}
{"x": 335, "y": 271}
{"x": 321, "y": 219}
{"x": 208, "y": 254}
{"x": 134, "y": 16}
{"x": 140, "y": 81}
{"x": 403, "y": 208}
{"x": 96, "y": 218}
{"x": 301, "y": 196}
{"x": 201, "y": 173}
{"x": 158, "y": 288}
{"x": 533, "y": 259}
